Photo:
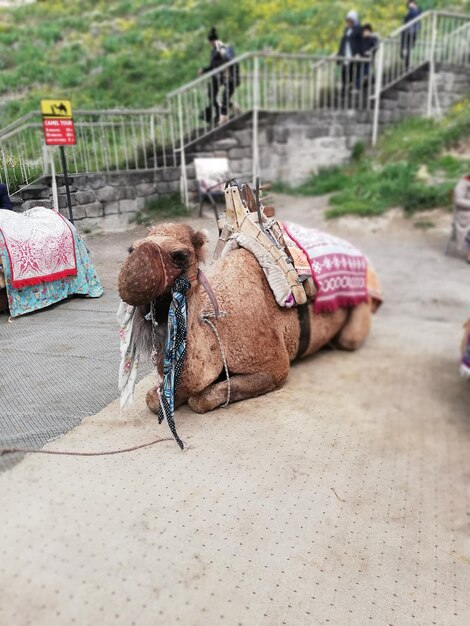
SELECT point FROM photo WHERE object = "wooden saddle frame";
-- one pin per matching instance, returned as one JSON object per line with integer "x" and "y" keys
{"x": 245, "y": 214}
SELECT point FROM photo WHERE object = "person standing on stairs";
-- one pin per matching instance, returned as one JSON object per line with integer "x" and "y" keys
{"x": 410, "y": 34}
{"x": 217, "y": 113}
{"x": 370, "y": 42}
{"x": 349, "y": 48}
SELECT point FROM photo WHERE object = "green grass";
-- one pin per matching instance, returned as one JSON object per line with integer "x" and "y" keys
{"x": 167, "y": 207}
{"x": 424, "y": 225}
{"x": 392, "y": 174}
{"x": 107, "y": 53}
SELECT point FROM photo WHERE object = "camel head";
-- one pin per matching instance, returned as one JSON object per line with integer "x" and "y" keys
{"x": 153, "y": 264}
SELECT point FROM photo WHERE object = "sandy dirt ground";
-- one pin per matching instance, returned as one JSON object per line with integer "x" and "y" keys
{"x": 342, "y": 498}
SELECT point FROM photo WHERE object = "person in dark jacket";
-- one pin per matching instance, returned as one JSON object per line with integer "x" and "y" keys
{"x": 5, "y": 202}
{"x": 220, "y": 54}
{"x": 349, "y": 48}
{"x": 410, "y": 34}
{"x": 369, "y": 46}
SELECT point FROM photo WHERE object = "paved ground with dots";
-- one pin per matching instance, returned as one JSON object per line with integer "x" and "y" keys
{"x": 342, "y": 498}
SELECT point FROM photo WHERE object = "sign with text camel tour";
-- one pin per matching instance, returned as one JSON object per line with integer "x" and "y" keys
{"x": 57, "y": 122}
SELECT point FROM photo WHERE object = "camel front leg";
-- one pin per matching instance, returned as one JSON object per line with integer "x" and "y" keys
{"x": 153, "y": 400}
{"x": 242, "y": 387}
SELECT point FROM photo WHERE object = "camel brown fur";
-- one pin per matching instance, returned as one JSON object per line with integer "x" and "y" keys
{"x": 260, "y": 339}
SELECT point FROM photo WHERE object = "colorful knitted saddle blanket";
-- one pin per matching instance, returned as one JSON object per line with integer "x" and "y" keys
{"x": 342, "y": 274}
{"x": 40, "y": 246}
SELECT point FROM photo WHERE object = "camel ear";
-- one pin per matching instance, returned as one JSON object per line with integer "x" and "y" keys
{"x": 199, "y": 240}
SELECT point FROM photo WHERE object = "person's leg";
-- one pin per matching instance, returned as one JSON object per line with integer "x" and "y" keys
{"x": 365, "y": 72}
{"x": 229, "y": 88}
{"x": 224, "y": 102}
{"x": 348, "y": 83}
{"x": 344, "y": 80}
{"x": 407, "y": 56}
{"x": 358, "y": 75}
{"x": 209, "y": 111}
{"x": 413, "y": 37}
{"x": 213, "y": 100}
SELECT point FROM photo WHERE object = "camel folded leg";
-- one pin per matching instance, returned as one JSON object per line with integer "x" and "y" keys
{"x": 356, "y": 329}
{"x": 242, "y": 387}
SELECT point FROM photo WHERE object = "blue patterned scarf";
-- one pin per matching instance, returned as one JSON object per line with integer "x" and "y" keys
{"x": 175, "y": 352}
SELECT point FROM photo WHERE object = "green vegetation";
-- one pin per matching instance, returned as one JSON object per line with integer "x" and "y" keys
{"x": 408, "y": 169}
{"x": 162, "y": 208}
{"x": 106, "y": 53}
{"x": 424, "y": 225}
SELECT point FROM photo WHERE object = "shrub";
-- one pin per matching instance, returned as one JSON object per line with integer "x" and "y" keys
{"x": 165, "y": 207}
{"x": 388, "y": 176}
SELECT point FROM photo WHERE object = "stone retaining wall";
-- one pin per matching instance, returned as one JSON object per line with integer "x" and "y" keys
{"x": 409, "y": 98}
{"x": 107, "y": 201}
{"x": 291, "y": 145}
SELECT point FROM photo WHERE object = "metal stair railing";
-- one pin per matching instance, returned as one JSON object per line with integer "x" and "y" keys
{"x": 115, "y": 140}
{"x": 139, "y": 139}
{"x": 433, "y": 37}
{"x": 285, "y": 82}
{"x": 266, "y": 81}
{"x": 453, "y": 48}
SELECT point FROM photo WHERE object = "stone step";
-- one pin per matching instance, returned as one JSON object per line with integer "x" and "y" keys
{"x": 35, "y": 192}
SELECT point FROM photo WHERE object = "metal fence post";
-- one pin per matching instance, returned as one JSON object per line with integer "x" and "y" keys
{"x": 184, "y": 179}
{"x": 55, "y": 195}
{"x": 255, "y": 118}
{"x": 432, "y": 65}
{"x": 378, "y": 89}
{"x": 45, "y": 160}
{"x": 5, "y": 171}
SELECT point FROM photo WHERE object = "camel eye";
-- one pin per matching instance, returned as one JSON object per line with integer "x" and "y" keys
{"x": 130, "y": 249}
{"x": 180, "y": 257}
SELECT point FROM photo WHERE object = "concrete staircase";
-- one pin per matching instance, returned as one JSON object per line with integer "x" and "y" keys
{"x": 291, "y": 117}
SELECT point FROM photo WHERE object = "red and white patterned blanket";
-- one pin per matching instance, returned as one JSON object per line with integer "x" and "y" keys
{"x": 40, "y": 246}
{"x": 337, "y": 267}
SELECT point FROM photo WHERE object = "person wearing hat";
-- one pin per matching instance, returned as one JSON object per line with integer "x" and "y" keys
{"x": 350, "y": 47}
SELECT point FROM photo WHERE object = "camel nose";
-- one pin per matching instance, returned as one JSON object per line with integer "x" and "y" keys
{"x": 145, "y": 274}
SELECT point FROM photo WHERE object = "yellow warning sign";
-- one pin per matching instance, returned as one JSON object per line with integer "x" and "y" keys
{"x": 56, "y": 108}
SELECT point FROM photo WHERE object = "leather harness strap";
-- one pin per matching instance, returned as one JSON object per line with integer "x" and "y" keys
{"x": 202, "y": 278}
{"x": 303, "y": 311}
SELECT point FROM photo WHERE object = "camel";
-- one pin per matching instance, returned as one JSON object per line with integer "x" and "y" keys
{"x": 259, "y": 338}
